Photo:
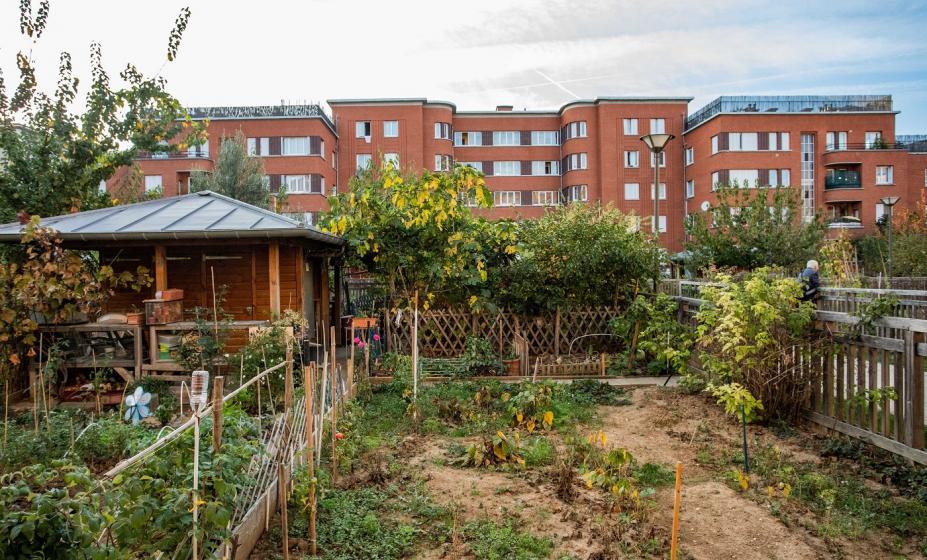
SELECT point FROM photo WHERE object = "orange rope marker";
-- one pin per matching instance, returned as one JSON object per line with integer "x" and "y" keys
{"x": 677, "y": 503}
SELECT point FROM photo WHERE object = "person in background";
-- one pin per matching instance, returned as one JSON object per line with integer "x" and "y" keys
{"x": 810, "y": 281}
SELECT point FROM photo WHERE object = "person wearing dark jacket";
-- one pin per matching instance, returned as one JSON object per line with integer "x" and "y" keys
{"x": 810, "y": 281}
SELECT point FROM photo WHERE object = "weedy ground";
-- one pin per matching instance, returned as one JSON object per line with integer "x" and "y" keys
{"x": 596, "y": 482}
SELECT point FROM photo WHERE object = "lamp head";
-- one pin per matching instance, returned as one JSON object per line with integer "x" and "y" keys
{"x": 656, "y": 142}
{"x": 889, "y": 200}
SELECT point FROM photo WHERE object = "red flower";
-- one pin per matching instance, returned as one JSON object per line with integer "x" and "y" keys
{"x": 339, "y": 435}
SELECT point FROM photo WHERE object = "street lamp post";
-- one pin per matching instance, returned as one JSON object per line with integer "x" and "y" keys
{"x": 889, "y": 202}
{"x": 656, "y": 143}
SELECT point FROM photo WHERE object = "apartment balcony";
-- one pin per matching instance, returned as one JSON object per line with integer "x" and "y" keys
{"x": 185, "y": 155}
{"x": 842, "y": 179}
{"x": 867, "y": 146}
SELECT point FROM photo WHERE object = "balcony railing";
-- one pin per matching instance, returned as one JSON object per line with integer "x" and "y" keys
{"x": 842, "y": 180}
{"x": 791, "y": 104}
{"x": 861, "y": 146}
{"x": 172, "y": 155}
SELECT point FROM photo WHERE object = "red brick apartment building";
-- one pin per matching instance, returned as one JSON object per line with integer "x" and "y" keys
{"x": 841, "y": 151}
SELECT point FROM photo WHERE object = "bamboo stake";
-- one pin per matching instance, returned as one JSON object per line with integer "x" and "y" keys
{"x": 6, "y": 409}
{"x": 351, "y": 357}
{"x": 310, "y": 377}
{"x": 415, "y": 361}
{"x": 677, "y": 503}
{"x": 282, "y": 498}
{"x": 218, "y": 388}
{"x": 334, "y": 411}
{"x": 288, "y": 386}
{"x": 196, "y": 476}
{"x": 45, "y": 394}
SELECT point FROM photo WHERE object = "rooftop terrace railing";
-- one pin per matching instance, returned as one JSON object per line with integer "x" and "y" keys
{"x": 791, "y": 104}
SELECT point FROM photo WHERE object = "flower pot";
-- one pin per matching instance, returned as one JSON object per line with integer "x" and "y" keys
{"x": 135, "y": 318}
{"x": 364, "y": 322}
{"x": 512, "y": 367}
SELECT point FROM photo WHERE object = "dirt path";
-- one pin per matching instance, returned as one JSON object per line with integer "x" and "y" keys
{"x": 715, "y": 522}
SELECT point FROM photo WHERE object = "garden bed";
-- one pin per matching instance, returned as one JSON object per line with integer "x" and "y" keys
{"x": 404, "y": 491}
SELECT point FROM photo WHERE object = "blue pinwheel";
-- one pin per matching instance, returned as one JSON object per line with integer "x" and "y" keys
{"x": 137, "y": 405}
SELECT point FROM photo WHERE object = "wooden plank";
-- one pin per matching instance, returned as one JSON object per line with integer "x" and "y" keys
{"x": 881, "y": 342}
{"x": 861, "y": 377}
{"x": 909, "y": 374}
{"x": 273, "y": 275}
{"x": 840, "y": 397}
{"x": 917, "y": 455}
{"x": 872, "y": 373}
{"x": 886, "y": 382}
{"x": 124, "y": 374}
{"x": 850, "y": 355}
{"x": 160, "y": 266}
{"x": 828, "y": 382}
{"x": 917, "y": 396}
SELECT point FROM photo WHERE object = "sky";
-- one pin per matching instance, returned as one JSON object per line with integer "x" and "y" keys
{"x": 481, "y": 53}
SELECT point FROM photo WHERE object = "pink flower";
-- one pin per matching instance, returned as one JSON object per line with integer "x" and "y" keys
{"x": 376, "y": 338}
{"x": 357, "y": 340}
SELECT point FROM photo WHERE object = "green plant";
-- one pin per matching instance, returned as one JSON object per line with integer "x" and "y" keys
{"x": 201, "y": 347}
{"x": 237, "y": 174}
{"x": 651, "y": 331}
{"x": 498, "y": 449}
{"x": 653, "y": 475}
{"x": 489, "y": 540}
{"x": 595, "y": 392}
{"x": 870, "y": 312}
{"x": 757, "y": 332}
{"x": 538, "y": 451}
{"x": 479, "y": 358}
{"x": 737, "y": 400}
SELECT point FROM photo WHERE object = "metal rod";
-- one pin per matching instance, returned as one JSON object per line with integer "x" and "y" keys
{"x": 743, "y": 419}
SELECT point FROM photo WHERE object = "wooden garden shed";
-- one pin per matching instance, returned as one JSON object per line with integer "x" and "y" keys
{"x": 264, "y": 263}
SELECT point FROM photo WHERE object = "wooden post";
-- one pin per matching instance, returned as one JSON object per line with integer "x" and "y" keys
{"x": 908, "y": 402}
{"x": 603, "y": 358}
{"x": 160, "y": 266}
{"x": 288, "y": 386}
{"x": 351, "y": 357}
{"x": 557, "y": 333}
{"x": 273, "y": 273}
{"x": 338, "y": 301}
{"x": 917, "y": 396}
{"x": 677, "y": 503}
{"x": 282, "y": 498}
{"x": 218, "y": 392}
{"x": 415, "y": 360}
{"x": 334, "y": 412}
{"x": 324, "y": 299}
{"x": 310, "y": 380}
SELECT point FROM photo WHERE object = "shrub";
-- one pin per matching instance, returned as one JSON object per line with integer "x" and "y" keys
{"x": 754, "y": 332}
{"x": 651, "y": 332}
{"x": 491, "y": 541}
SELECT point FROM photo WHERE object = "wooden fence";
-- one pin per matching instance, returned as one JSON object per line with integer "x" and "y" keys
{"x": 850, "y": 379}
{"x": 444, "y": 333}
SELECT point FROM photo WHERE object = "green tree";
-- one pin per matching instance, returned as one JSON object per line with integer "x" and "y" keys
{"x": 753, "y": 227}
{"x": 909, "y": 243}
{"x": 236, "y": 174}
{"x": 415, "y": 233}
{"x": 130, "y": 188}
{"x": 575, "y": 256}
{"x": 55, "y": 158}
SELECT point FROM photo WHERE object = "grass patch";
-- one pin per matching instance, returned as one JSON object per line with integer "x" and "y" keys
{"x": 489, "y": 540}
{"x": 653, "y": 475}
{"x": 538, "y": 451}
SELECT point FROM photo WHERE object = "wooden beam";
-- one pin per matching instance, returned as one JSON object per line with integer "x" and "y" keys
{"x": 160, "y": 265}
{"x": 338, "y": 313}
{"x": 917, "y": 455}
{"x": 324, "y": 299}
{"x": 273, "y": 271}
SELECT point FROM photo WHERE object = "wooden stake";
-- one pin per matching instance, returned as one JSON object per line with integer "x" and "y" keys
{"x": 310, "y": 376}
{"x": 218, "y": 392}
{"x": 351, "y": 357}
{"x": 282, "y": 498}
{"x": 603, "y": 358}
{"x": 288, "y": 386}
{"x": 677, "y": 503}
{"x": 313, "y": 541}
{"x": 334, "y": 411}
{"x": 415, "y": 360}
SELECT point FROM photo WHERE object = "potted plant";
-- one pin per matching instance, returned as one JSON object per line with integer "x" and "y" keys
{"x": 512, "y": 363}
{"x": 135, "y": 317}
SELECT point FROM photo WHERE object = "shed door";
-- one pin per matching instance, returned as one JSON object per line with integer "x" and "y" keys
{"x": 234, "y": 279}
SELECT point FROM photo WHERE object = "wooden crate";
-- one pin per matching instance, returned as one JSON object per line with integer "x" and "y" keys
{"x": 161, "y": 312}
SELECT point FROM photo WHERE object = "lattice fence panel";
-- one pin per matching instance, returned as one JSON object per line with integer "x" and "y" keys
{"x": 540, "y": 333}
{"x": 444, "y": 333}
{"x": 580, "y": 323}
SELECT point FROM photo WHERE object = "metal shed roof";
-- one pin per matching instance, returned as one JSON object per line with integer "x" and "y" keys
{"x": 201, "y": 215}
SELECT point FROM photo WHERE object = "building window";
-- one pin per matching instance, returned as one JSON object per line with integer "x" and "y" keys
{"x": 544, "y": 198}
{"x": 653, "y": 159}
{"x": 478, "y": 165}
{"x": 632, "y": 159}
{"x": 506, "y": 198}
{"x": 468, "y": 138}
{"x": 657, "y": 126}
{"x": 780, "y": 178}
{"x": 442, "y": 131}
{"x": 258, "y": 146}
{"x": 835, "y": 141}
{"x": 363, "y": 161}
{"x": 577, "y": 193}
{"x": 690, "y": 156}
{"x": 574, "y": 130}
{"x": 391, "y": 158}
{"x": 153, "y": 183}
{"x": 443, "y": 162}
{"x": 714, "y": 144}
{"x": 545, "y": 138}
{"x": 509, "y": 168}
{"x": 690, "y": 188}
{"x": 362, "y": 130}
{"x": 506, "y": 138}
{"x": 468, "y": 200}
{"x": 390, "y": 129}
{"x": 632, "y": 191}
{"x": 925, "y": 177}
{"x": 575, "y": 161}
{"x": 630, "y": 127}
{"x": 294, "y": 146}
{"x": 880, "y": 211}
{"x": 885, "y": 174}
{"x": 873, "y": 139}
{"x": 662, "y": 191}
{"x": 303, "y": 184}
{"x": 742, "y": 141}
{"x": 743, "y": 178}
{"x": 199, "y": 151}
{"x": 661, "y": 224}
{"x": 545, "y": 167}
